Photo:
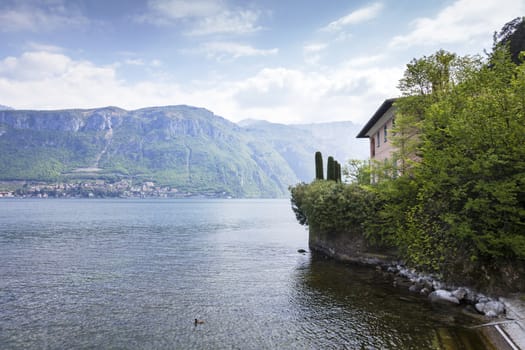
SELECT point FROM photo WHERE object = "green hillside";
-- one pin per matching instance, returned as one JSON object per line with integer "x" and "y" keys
{"x": 186, "y": 148}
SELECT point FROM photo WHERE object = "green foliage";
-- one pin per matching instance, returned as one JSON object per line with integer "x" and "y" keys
{"x": 462, "y": 199}
{"x": 319, "y": 175}
{"x": 478, "y": 172}
{"x": 333, "y": 170}
{"x": 332, "y": 207}
{"x": 435, "y": 75}
{"x": 298, "y": 197}
{"x": 357, "y": 171}
{"x": 452, "y": 199}
{"x": 425, "y": 81}
{"x": 337, "y": 171}
{"x": 464, "y": 202}
{"x": 187, "y": 148}
{"x": 330, "y": 169}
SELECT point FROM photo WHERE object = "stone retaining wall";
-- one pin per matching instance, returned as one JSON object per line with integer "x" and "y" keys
{"x": 349, "y": 247}
{"x": 497, "y": 279}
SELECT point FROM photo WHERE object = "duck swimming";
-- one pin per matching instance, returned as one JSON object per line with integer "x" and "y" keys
{"x": 197, "y": 321}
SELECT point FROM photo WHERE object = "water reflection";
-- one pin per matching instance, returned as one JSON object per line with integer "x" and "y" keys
{"x": 359, "y": 308}
{"x": 135, "y": 275}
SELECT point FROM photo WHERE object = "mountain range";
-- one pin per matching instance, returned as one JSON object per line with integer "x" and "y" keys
{"x": 184, "y": 147}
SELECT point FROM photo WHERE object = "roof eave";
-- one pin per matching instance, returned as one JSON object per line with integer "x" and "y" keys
{"x": 378, "y": 114}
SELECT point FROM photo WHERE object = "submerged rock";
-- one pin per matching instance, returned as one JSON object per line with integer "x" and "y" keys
{"x": 442, "y": 296}
{"x": 415, "y": 288}
{"x": 439, "y": 292}
{"x": 490, "y": 308}
{"x": 425, "y": 291}
{"x": 460, "y": 293}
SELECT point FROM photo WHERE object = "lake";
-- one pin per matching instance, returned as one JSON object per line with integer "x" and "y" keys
{"x": 135, "y": 274}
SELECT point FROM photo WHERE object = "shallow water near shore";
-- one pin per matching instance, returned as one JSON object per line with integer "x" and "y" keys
{"x": 135, "y": 274}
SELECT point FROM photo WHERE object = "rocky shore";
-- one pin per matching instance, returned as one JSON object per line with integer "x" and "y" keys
{"x": 504, "y": 317}
{"x": 504, "y": 326}
{"x": 353, "y": 248}
{"x": 439, "y": 292}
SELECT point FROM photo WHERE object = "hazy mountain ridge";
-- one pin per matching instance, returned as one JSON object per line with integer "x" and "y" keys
{"x": 297, "y": 143}
{"x": 188, "y": 148}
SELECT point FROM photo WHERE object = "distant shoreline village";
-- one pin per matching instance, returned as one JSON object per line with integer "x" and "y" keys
{"x": 98, "y": 189}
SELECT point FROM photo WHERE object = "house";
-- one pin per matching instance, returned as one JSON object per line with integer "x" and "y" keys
{"x": 378, "y": 130}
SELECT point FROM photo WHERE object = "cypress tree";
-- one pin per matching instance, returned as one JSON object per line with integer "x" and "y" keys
{"x": 337, "y": 171}
{"x": 330, "y": 171}
{"x": 319, "y": 175}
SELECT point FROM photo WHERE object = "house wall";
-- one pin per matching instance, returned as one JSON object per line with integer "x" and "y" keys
{"x": 380, "y": 144}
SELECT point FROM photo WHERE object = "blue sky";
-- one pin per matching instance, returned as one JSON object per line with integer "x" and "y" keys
{"x": 284, "y": 61}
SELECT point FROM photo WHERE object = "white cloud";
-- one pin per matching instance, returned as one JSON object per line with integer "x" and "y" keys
{"x": 47, "y": 80}
{"x": 202, "y": 17}
{"x": 34, "y": 46}
{"x": 346, "y": 92}
{"x": 177, "y": 9}
{"x": 156, "y": 63}
{"x": 234, "y": 22}
{"x": 34, "y": 66}
{"x": 315, "y": 47}
{"x": 33, "y": 18}
{"x": 222, "y": 50}
{"x": 364, "y": 61}
{"x": 312, "y": 52}
{"x": 134, "y": 61}
{"x": 355, "y": 17}
{"x": 41, "y": 79}
{"x": 342, "y": 93}
{"x": 463, "y": 21}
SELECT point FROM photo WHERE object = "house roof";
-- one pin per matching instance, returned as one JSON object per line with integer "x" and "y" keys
{"x": 378, "y": 114}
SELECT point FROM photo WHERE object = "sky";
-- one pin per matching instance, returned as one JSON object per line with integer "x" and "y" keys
{"x": 285, "y": 61}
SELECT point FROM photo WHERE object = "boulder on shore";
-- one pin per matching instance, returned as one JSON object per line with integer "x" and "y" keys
{"x": 491, "y": 308}
{"x": 443, "y": 296}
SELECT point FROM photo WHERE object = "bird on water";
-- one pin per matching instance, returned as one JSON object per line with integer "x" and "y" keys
{"x": 197, "y": 321}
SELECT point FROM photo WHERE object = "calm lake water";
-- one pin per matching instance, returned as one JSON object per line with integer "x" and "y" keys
{"x": 134, "y": 274}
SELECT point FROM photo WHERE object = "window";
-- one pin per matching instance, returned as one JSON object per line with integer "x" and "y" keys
{"x": 393, "y": 125}
{"x": 385, "y": 132}
{"x": 378, "y": 139}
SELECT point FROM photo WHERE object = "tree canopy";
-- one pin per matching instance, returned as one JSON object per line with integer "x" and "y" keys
{"x": 461, "y": 124}
{"x": 455, "y": 200}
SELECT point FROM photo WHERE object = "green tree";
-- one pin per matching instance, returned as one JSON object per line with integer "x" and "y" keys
{"x": 330, "y": 169}
{"x": 425, "y": 81}
{"x": 331, "y": 207}
{"x": 473, "y": 166}
{"x": 337, "y": 172}
{"x": 357, "y": 171}
{"x": 458, "y": 206}
{"x": 319, "y": 166}
{"x": 463, "y": 207}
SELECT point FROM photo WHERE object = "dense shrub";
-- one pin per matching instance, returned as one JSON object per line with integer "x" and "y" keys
{"x": 333, "y": 207}
{"x": 454, "y": 203}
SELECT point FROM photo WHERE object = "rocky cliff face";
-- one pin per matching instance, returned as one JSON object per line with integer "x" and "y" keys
{"x": 64, "y": 120}
{"x": 185, "y": 147}
{"x": 349, "y": 247}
